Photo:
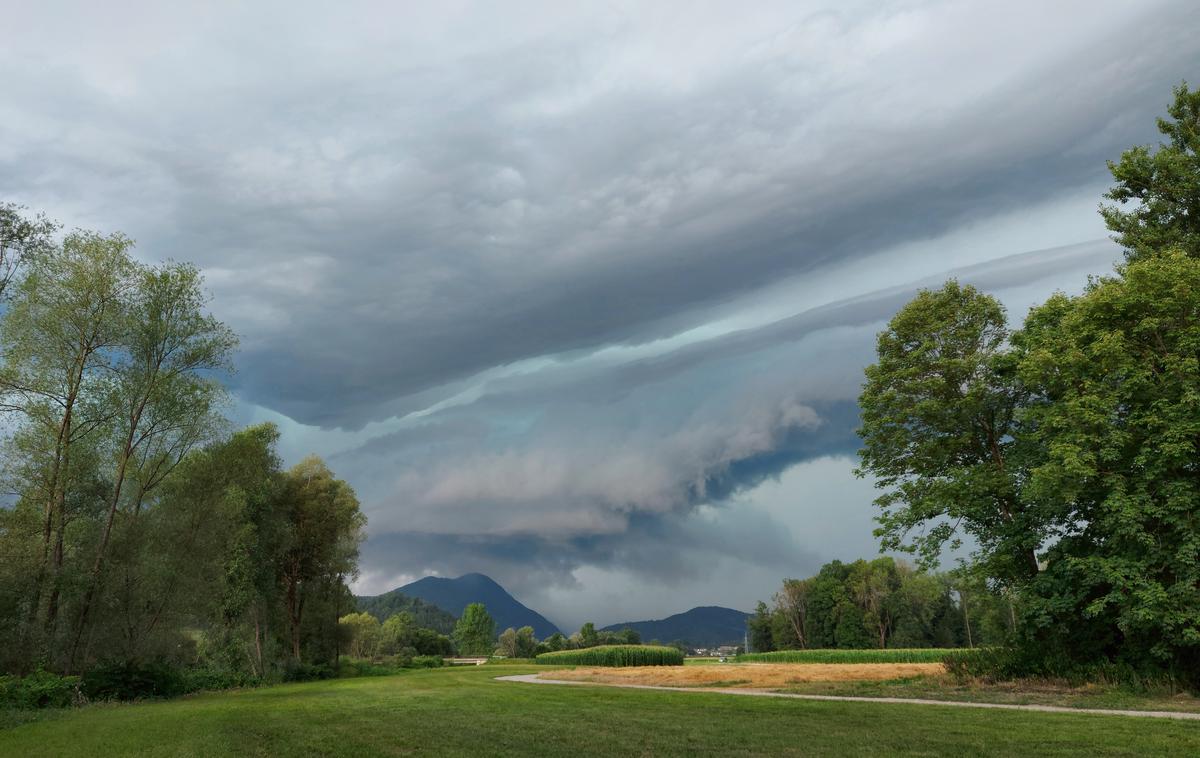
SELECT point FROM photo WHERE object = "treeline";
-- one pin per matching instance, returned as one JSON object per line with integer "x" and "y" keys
{"x": 882, "y": 603}
{"x": 1068, "y": 448}
{"x": 139, "y": 531}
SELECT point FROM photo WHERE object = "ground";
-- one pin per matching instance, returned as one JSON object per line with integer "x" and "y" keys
{"x": 764, "y": 675}
{"x": 464, "y": 711}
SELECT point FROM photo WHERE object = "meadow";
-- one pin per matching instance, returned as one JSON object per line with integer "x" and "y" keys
{"x": 464, "y": 711}
{"x": 869, "y": 655}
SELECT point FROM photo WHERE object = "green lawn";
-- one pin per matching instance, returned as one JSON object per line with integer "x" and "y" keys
{"x": 462, "y": 711}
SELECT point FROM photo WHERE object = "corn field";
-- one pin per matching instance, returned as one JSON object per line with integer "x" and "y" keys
{"x": 615, "y": 655}
{"x": 887, "y": 655}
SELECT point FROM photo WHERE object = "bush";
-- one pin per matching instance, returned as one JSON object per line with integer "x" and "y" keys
{"x": 38, "y": 690}
{"x": 615, "y": 655}
{"x": 835, "y": 655}
{"x": 427, "y": 661}
{"x": 306, "y": 672}
{"x": 196, "y": 680}
{"x": 132, "y": 681}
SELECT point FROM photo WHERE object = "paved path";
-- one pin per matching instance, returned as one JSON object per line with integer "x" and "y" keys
{"x": 533, "y": 679}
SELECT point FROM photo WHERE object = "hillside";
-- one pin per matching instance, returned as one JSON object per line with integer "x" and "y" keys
{"x": 426, "y": 614}
{"x": 454, "y": 595}
{"x": 707, "y": 626}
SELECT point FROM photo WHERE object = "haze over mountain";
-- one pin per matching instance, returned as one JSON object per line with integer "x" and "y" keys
{"x": 706, "y": 626}
{"x": 454, "y": 595}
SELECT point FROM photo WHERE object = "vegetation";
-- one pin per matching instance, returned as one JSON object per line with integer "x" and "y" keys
{"x": 882, "y": 604}
{"x": 615, "y": 655}
{"x": 475, "y": 633}
{"x": 425, "y": 615}
{"x": 146, "y": 546}
{"x": 464, "y": 711}
{"x": 891, "y": 655}
{"x": 1067, "y": 448}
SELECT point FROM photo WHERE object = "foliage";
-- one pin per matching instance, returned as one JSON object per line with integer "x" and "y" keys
{"x": 890, "y": 655}
{"x": 517, "y": 643}
{"x": 22, "y": 238}
{"x": 425, "y": 614}
{"x": 615, "y": 655}
{"x": 1118, "y": 416}
{"x": 124, "y": 680}
{"x": 475, "y": 633}
{"x": 940, "y": 436}
{"x": 41, "y": 689}
{"x": 1161, "y": 184}
{"x": 880, "y": 603}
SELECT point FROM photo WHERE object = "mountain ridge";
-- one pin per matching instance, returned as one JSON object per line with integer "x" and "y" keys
{"x": 453, "y": 595}
{"x": 702, "y": 626}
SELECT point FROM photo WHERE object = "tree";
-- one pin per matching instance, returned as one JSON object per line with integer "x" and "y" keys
{"x": 21, "y": 239}
{"x": 323, "y": 527}
{"x": 475, "y": 632}
{"x": 1118, "y": 415}
{"x": 363, "y": 632}
{"x": 1162, "y": 185}
{"x": 556, "y": 642}
{"x": 792, "y": 602}
{"x": 940, "y": 436}
{"x": 588, "y": 637}
{"x": 759, "y": 627}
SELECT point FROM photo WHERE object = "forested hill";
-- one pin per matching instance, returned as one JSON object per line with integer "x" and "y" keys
{"x": 426, "y": 614}
{"x": 706, "y": 626}
{"x": 454, "y": 595}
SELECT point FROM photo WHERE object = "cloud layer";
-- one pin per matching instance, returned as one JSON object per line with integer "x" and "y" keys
{"x": 563, "y": 290}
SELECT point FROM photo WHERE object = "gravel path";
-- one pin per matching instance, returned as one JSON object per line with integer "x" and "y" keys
{"x": 533, "y": 679}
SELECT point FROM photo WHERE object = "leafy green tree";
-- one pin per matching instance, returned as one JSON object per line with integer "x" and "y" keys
{"x": 793, "y": 604}
{"x": 759, "y": 628}
{"x": 556, "y": 642}
{"x": 363, "y": 632}
{"x": 475, "y": 633}
{"x": 323, "y": 527}
{"x": 21, "y": 239}
{"x": 1117, "y": 373}
{"x": 1161, "y": 184}
{"x": 940, "y": 436}
{"x": 588, "y": 637}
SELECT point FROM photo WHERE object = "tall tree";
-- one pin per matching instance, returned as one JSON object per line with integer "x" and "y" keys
{"x": 939, "y": 416}
{"x": 323, "y": 528}
{"x": 1161, "y": 185}
{"x": 1117, "y": 374}
{"x": 475, "y": 633}
{"x": 60, "y": 335}
{"x": 163, "y": 394}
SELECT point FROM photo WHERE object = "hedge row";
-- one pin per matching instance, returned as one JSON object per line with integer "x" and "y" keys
{"x": 615, "y": 655}
{"x": 886, "y": 655}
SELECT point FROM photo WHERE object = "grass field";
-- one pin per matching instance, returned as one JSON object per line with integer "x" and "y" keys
{"x": 756, "y": 675}
{"x": 463, "y": 711}
{"x": 887, "y": 655}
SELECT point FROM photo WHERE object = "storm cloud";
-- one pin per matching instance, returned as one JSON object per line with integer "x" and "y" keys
{"x": 565, "y": 290}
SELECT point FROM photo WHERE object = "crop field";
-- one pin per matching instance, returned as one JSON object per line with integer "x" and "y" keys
{"x": 750, "y": 675}
{"x": 886, "y": 655}
{"x": 464, "y": 711}
{"x": 615, "y": 655}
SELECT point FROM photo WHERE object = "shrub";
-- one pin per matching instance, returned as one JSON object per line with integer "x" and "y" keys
{"x": 615, "y": 655}
{"x": 132, "y": 681}
{"x": 306, "y": 672}
{"x": 427, "y": 661}
{"x": 198, "y": 679}
{"x": 834, "y": 655}
{"x": 38, "y": 690}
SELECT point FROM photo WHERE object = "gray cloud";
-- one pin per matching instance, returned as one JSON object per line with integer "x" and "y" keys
{"x": 508, "y": 267}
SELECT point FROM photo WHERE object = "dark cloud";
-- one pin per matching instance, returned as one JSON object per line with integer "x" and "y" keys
{"x": 504, "y": 266}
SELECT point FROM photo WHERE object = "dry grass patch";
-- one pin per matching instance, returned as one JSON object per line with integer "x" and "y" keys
{"x": 750, "y": 675}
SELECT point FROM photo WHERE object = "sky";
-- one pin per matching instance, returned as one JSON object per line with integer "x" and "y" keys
{"x": 579, "y": 295}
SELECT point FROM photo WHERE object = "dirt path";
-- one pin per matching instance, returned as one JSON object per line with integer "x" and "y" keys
{"x": 533, "y": 679}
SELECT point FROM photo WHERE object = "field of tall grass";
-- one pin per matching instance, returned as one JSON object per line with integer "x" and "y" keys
{"x": 886, "y": 655}
{"x": 615, "y": 655}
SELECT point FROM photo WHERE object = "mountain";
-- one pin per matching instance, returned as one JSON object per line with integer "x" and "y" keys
{"x": 707, "y": 626}
{"x": 454, "y": 595}
{"x": 426, "y": 614}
